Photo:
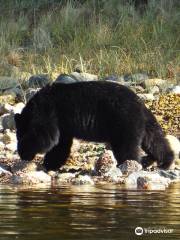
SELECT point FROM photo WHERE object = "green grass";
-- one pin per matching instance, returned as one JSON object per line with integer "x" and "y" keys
{"x": 105, "y": 37}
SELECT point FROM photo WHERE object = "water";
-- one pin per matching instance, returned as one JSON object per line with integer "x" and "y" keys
{"x": 87, "y": 212}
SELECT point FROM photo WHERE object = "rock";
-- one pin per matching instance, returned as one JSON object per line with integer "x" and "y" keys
{"x": 8, "y": 137}
{"x": 146, "y": 96}
{"x": 143, "y": 183}
{"x": 148, "y": 83}
{"x": 82, "y": 179}
{"x": 24, "y": 166}
{"x": 5, "y": 108}
{"x": 154, "y": 90}
{"x": 2, "y": 170}
{"x": 83, "y": 76}
{"x": 11, "y": 146}
{"x": 52, "y": 173}
{"x": 8, "y": 121}
{"x": 115, "y": 78}
{"x": 75, "y": 146}
{"x": 171, "y": 174}
{"x": 130, "y": 166}
{"x": 105, "y": 163}
{"x": 147, "y": 180}
{"x": 8, "y": 83}
{"x": 30, "y": 93}
{"x": 137, "y": 89}
{"x": 174, "y": 89}
{"x": 7, "y": 99}
{"x": 174, "y": 144}
{"x": 137, "y": 77}
{"x": 114, "y": 175}
{"x": 18, "y": 107}
{"x": 31, "y": 178}
{"x": 2, "y": 145}
{"x": 64, "y": 78}
{"x": 1, "y": 127}
{"x": 16, "y": 92}
{"x": 65, "y": 177}
{"x": 38, "y": 81}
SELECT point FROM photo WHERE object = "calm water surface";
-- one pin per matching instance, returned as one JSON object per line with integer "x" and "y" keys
{"x": 87, "y": 212}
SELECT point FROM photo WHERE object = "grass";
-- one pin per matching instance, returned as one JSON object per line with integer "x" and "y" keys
{"x": 104, "y": 37}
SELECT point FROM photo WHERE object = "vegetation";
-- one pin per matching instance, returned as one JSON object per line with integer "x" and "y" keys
{"x": 104, "y": 37}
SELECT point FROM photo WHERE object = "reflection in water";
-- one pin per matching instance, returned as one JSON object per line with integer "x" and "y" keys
{"x": 87, "y": 212}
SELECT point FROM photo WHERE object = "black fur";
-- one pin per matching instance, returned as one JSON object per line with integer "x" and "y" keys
{"x": 93, "y": 111}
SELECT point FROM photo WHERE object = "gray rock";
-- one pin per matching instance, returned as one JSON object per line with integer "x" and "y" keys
{"x": 38, "y": 81}
{"x": 83, "y": 76}
{"x": 8, "y": 83}
{"x": 147, "y": 180}
{"x": 8, "y": 121}
{"x": 2, "y": 170}
{"x": 82, "y": 180}
{"x": 171, "y": 174}
{"x": 17, "y": 92}
{"x": 30, "y": 93}
{"x": 114, "y": 175}
{"x": 130, "y": 166}
{"x": 115, "y": 78}
{"x": 174, "y": 89}
{"x": 137, "y": 77}
{"x": 64, "y": 78}
{"x": 31, "y": 178}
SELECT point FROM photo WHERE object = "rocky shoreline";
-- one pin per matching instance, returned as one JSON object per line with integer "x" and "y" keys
{"x": 90, "y": 163}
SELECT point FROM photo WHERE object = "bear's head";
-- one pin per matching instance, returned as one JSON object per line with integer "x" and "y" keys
{"x": 36, "y": 129}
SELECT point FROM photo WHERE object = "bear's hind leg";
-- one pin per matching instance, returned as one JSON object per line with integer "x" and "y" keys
{"x": 58, "y": 155}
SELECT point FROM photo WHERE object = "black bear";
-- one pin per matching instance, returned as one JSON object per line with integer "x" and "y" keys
{"x": 94, "y": 111}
